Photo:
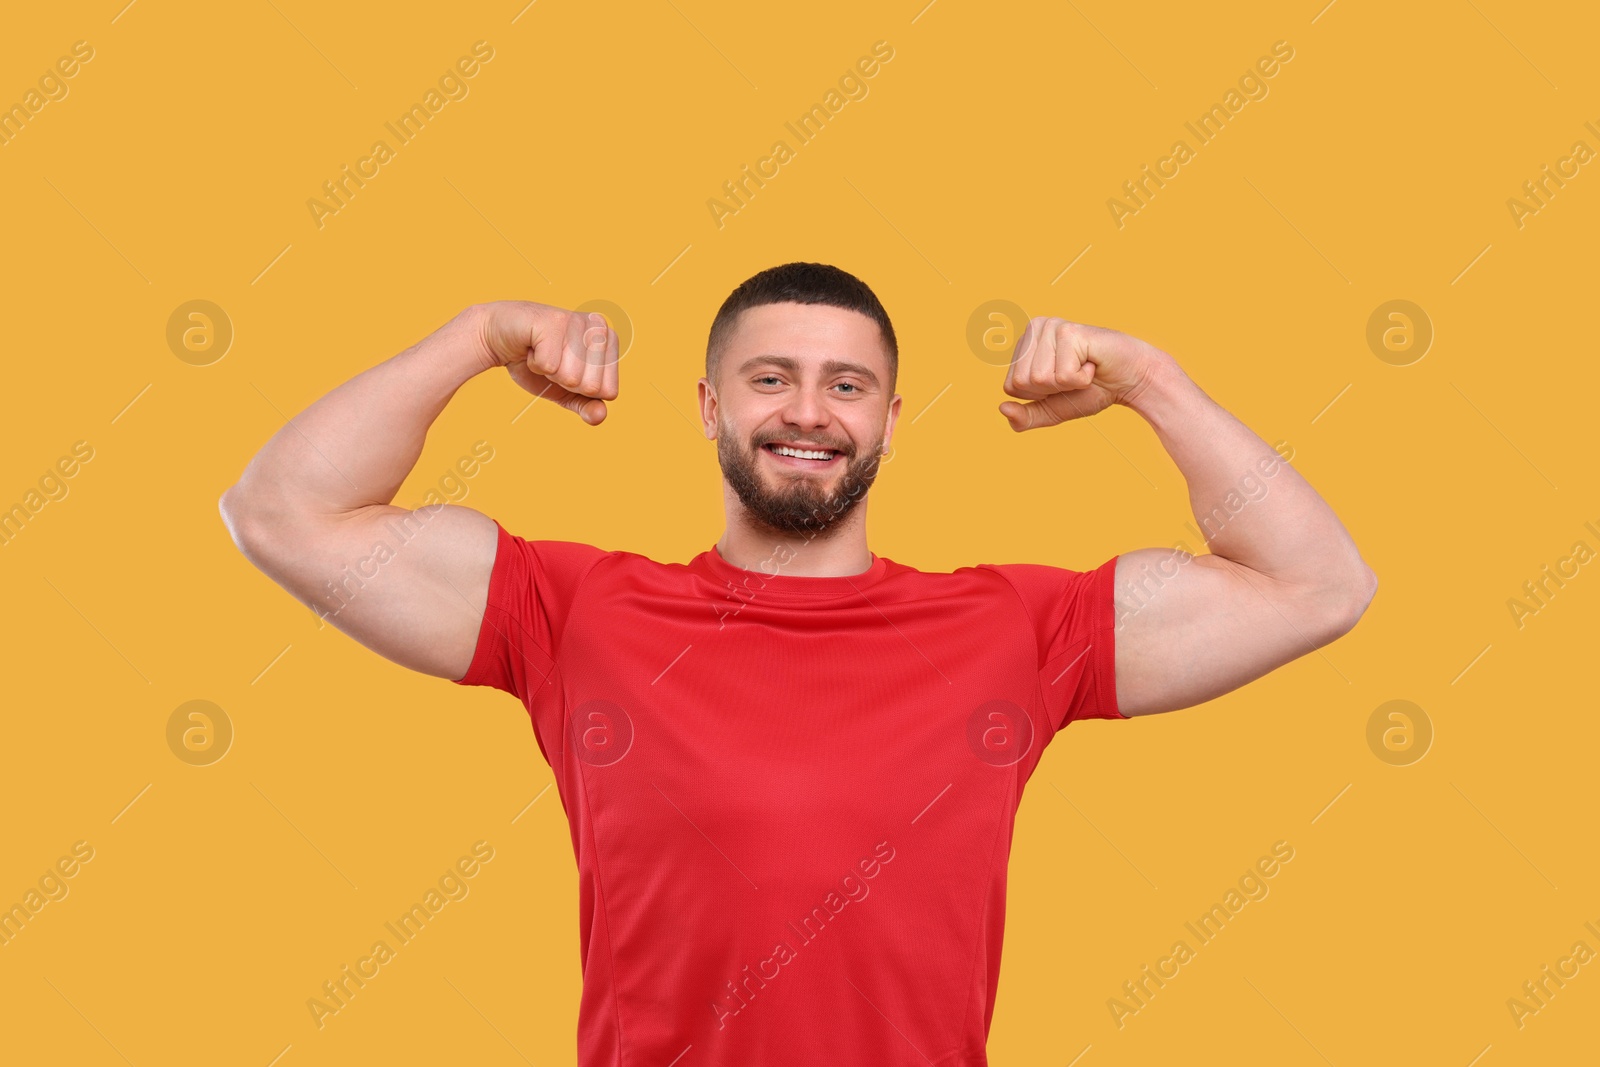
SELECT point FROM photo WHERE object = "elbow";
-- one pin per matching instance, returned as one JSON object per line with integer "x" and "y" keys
{"x": 229, "y": 506}
{"x": 1346, "y": 602}
{"x": 1364, "y": 588}
{"x": 240, "y": 518}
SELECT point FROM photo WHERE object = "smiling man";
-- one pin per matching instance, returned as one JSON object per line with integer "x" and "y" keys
{"x": 791, "y": 765}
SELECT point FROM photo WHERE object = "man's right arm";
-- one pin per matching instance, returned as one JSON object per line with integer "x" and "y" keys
{"x": 314, "y": 505}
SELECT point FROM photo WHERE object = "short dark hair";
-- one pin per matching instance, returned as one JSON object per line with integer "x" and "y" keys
{"x": 801, "y": 283}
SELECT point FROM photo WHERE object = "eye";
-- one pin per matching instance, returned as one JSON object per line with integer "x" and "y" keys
{"x": 854, "y": 388}
{"x": 765, "y": 378}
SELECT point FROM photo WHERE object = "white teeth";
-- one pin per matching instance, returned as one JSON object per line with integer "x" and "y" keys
{"x": 800, "y": 453}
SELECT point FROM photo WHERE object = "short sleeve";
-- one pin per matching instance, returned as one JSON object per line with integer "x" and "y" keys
{"x": 1074, "y": 621}
{"x": 532, "y": 588}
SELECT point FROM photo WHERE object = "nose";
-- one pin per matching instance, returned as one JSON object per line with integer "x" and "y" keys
{"x": 805, "y": 411}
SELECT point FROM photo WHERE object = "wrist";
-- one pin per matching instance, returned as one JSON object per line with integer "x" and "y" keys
{"x": 449, "y": 357}
{"x": 1161, "y": 381}
{"x": 470, "y": 336}
{"x": 461, "y": 346}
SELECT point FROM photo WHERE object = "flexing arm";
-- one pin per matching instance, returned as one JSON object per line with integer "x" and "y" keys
{"x": 313, "y": 506}
{"x": 1283, "y": 577}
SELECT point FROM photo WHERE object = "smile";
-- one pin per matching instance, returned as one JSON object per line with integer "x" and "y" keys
{"x": 795, "y": 456}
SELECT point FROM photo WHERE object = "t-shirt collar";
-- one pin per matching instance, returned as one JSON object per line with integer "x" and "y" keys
{"x": 770, "y": 580}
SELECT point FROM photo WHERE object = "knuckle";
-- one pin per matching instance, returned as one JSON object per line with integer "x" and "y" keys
{"x": 546, "y": 358}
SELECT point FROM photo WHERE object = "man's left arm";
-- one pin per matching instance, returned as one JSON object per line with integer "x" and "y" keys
{"x": 1283, "y": 576}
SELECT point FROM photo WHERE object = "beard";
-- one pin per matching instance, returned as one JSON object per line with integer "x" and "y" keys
{"x": 798, "y": 505}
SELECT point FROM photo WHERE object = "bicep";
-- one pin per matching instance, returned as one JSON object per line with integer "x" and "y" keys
{"x": 409, "y": 585}
{"x": 1191, "y": 628}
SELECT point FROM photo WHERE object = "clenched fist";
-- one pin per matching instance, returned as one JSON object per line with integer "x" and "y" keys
{"x": 1068, "y": 370}
{"x": 562, "y": 356}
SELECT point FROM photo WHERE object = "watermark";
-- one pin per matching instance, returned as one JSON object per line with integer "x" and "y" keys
{"x": 1541, "y": 190}
{"x": 1252, "y": 86}
{"x": 1249, "y": 490}
{"x": 51, "y": 886}
{"x": 616, "y": 317}
{"x": 451, "y": 488}
{"x": 1138, "y": 992}
{"x": 993, "y": 330}
{"x": 1540, "y": 591}
{"x": 1399, "y": 332}
{"x": 852, "y": 85}
{"x": 601, "y": 732}
{"x": 338, "y": 992}
{"x": 739, "y": 994}
{"x": 53, "y": 487}
{"x": 752, "y": 581}
{"x": 199, "y": 332}
{"x": 1537, "y": 993}
{"x": 999, "y": 732}
{"x": 451, "y": 85}
{"x": 199, "y": 733}
{"x": 1399, "y": 733}
{"x": 1137, "y": 593}
{"x": 51, "y": 87}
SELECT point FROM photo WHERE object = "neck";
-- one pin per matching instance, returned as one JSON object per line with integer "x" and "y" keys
{"x": 839, "y": 550}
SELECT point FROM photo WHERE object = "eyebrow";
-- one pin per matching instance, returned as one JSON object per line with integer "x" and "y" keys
{"x": 829, "y": 366}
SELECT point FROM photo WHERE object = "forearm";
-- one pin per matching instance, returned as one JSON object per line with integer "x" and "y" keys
{"x": 1250, "y": 505}
{"x": 354, "y": 447}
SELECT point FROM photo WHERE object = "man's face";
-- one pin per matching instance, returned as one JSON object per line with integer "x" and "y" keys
{"x": 801, "y": 413}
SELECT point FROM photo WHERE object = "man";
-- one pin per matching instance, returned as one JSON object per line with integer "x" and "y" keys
{"x": 791, "y": 766}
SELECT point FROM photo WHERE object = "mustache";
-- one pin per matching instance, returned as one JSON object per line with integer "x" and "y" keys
{"x": 842, "y": 447}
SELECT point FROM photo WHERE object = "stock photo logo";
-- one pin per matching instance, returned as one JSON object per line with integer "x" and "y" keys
{"x": 53, "y": 86}
{"x": 1538, "y": 593}
{"x": 1537, "y": 993}
{"x": 1252, "y": 886}
{"x": 1252, "y": 85}
{"x": 451, "y": 487}
{"x": 1399, "y": 332}
{"x": 51, "y": 886}
{"x": 993, "y": 329}
{"x": 53, "y": 486}
{"x": 452, "y": 886}
{"x": 616, "y": 316}
{"x": 199, "y": 733}
{"x": 852, "y": 85}
{"x": 452, "y": 85}
{"x": 1538, "y": 192}
{"x": 999, "y": 732}
{"x": 601, "y": 732}
{"x": 330, "y": 568}
{"x": 199, "y": 332}
{"x": 738, "y": 994}
{"x": 1399, "y": 733}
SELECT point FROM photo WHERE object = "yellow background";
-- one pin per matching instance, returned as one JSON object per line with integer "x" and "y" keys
{"x": 977, "y": 168}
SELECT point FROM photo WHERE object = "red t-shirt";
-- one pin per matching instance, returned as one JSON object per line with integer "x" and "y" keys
{"x": 791, "y": 798}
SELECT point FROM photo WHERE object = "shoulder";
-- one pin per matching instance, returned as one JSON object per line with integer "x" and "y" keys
{"x": 1000, "y": 581}
{"x": 553, "y": 564}
{"x": 1043, "y": 589}
{"x": 589, "y": 561}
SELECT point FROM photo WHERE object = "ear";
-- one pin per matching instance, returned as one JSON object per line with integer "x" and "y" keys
{"x": 889, "y": 424}
{"x": 708, "y": 409}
